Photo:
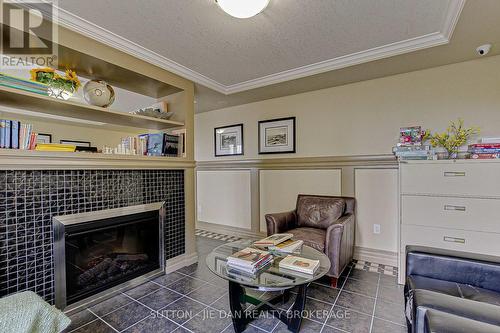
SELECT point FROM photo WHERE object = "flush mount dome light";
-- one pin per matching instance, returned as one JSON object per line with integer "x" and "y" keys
{"x": 242, "y": 8}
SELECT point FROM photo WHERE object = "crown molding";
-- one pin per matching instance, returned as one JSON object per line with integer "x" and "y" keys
{"x": 91, "y": 30}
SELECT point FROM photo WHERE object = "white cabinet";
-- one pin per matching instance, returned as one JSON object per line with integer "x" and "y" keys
{"x": 449, "y": 204}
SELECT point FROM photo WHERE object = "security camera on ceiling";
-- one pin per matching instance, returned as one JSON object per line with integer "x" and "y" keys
{"x": 483, "y": 49}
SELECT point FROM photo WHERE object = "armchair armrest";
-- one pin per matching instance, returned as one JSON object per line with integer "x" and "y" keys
{"x": 280, "y": 222}
{"x": 339, "y": 243}
{"x": 475, "y": 270}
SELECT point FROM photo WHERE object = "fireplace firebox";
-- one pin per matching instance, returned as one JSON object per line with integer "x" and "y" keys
{"x": 100, "y": 252}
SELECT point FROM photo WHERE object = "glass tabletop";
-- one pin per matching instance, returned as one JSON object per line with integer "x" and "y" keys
{"x": 270, "y": 277}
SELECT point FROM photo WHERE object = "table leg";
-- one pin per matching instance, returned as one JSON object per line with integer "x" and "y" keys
{"x": 236, "y": 294}
{"x": 298, "y": 307}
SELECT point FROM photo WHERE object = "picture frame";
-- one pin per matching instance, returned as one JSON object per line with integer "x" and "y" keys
{"x": 43, "y": 138}
{"x": 75, "y": 143}
{"x": 228, "y": 140}
{"x": 277, "y": 136}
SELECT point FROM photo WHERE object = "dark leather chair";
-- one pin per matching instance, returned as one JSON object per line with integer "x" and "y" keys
{"x": 447, "y": 290}
{"x": 325, "y": 223}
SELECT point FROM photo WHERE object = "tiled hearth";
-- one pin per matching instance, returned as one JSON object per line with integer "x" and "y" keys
{"x": 29, "y": 200}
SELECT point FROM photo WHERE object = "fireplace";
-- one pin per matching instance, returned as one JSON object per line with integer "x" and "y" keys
{"x": 97, "y": 253}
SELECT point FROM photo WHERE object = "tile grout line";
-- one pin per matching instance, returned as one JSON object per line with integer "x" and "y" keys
{"x": 151, "y": 309}
{"x": 336, "y": 299}
{"x": 104, "y": 321}
{"x": 375, "y": 305}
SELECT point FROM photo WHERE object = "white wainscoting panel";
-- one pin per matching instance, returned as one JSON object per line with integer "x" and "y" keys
{"x": 223, "y": 197}
{"x": 279, "y": 188}
{"x": 376, "y": 192}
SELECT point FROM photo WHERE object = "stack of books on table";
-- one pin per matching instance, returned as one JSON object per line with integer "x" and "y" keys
{"x": 280, "y": 243}
{"x": 485, "y": 150}
{"x": 299, "y": 264}
{"x": 410, "y": 146}
{"x": 248, "y": 261}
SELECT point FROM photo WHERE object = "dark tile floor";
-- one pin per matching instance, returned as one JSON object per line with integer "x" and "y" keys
{"x": 195, "y": 300}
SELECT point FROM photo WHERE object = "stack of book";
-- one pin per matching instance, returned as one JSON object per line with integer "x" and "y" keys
{"x": 410, "y": 146}
{"x": 248, "y": 261}
{"x": 55, "y": 147}
{"x": 299, "y": 264}
{"x": 280, "y": 243}
{"x": 483, "y": 151}
{"x": 14, "y": 135}
{"x": 26, "y": 85}
{"x": 154, "y": 144}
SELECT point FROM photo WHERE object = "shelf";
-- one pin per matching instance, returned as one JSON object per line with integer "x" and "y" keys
{"x": 45, "y": 105}
{"x": 11, "y": 159}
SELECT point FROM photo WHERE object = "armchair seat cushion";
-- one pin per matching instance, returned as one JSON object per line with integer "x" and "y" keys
{"x": 454, "y": 289}
{"x": 312, "y": 237}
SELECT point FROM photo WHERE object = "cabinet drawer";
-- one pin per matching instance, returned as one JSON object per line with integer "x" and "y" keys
{"x": 478, "y": 179}
{"x": 452, "y": 212}
{"x": 458, "y": 240}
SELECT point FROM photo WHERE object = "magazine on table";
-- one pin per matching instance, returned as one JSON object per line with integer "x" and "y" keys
{"x": 273, "y": 240}
{"x": 299, "y": 264}
{"x": 249, "y": 259}
{"x": 288, "y": 246}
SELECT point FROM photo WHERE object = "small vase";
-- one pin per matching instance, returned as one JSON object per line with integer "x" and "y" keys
{"x": 452, "y": 155}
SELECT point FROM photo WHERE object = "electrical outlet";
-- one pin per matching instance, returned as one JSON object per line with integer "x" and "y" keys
{"x": 376, "y": 228}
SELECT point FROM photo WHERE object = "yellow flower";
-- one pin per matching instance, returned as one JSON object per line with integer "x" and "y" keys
{"x": 35, "y": 71}
{"x": 71, "y": 76}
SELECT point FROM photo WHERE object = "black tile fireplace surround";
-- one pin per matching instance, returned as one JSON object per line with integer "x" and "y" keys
{"x": 29, "y": 200}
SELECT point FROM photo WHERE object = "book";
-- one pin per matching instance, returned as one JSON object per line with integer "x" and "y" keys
{"x": 8, "y": 133}
{"x": 299, "y": 264}
{"x": 14, "y": 141}
{"x": 248, "y": 258}
{"x": 484, "y": 156}
{"x": 2, "y": 133}
{"x": 485, "y": 145}
{"x": 288, "y": 246}
{"x": 54, "y": 147}
{"x": 170, "y": 145}
{"x": 155, "y": 144}
{"x": 490, "y": 140}
{"x": 273, "y": 240}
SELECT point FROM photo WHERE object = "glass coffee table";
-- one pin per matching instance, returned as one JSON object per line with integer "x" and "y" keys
{"x": 270, "y": 278}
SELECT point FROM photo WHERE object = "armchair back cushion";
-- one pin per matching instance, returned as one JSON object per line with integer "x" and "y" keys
{"x": 319, "y": 211}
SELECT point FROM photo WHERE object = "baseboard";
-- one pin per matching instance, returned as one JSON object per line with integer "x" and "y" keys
{"x": 227, "y": 230}
{"x": 178, "y": 262}
{"x": 376, "y": 256}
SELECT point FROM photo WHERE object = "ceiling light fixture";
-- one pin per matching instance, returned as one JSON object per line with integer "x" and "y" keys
{"x": 242, "y": 8}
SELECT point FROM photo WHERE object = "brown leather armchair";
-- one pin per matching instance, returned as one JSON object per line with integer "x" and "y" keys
{"x": 323, "y": 222}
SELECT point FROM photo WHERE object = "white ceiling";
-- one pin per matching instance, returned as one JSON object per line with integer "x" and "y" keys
{"x": 289, "y": 40}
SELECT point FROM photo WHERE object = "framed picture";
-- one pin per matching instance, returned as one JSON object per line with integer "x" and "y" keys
{"x": 277, "y": 136}
{"x": 229, "y": 140}
{"x": 75, "y": 143}
{"x": 43, "y": 138}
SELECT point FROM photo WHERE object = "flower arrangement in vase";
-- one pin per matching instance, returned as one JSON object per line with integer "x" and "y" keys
{"x": 455, "y": 136}
{"x": 61, "y": 87}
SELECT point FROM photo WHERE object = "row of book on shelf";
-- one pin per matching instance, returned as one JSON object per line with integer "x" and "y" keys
{"x": 155, "y": 144}
{"x": 412, "y": 147}
{"x": 14, "y": 135}
{"x": 17, "y": 135}
{"x": 252, "y": 260}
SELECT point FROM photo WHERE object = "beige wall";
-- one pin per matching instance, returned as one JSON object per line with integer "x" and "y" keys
{"x": 376, "y": 192}
{"x": 224, "y": 197}
{"x": 365, "y": 117}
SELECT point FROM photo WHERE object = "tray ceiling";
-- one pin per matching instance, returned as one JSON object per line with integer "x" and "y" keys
{"x": 291, "y": 39}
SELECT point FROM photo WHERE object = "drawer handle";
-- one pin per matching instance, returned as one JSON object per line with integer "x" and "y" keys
{"x": 454, "y": 240}
{"x": 452, "y": 207}
{"x": 454, "y": 174}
